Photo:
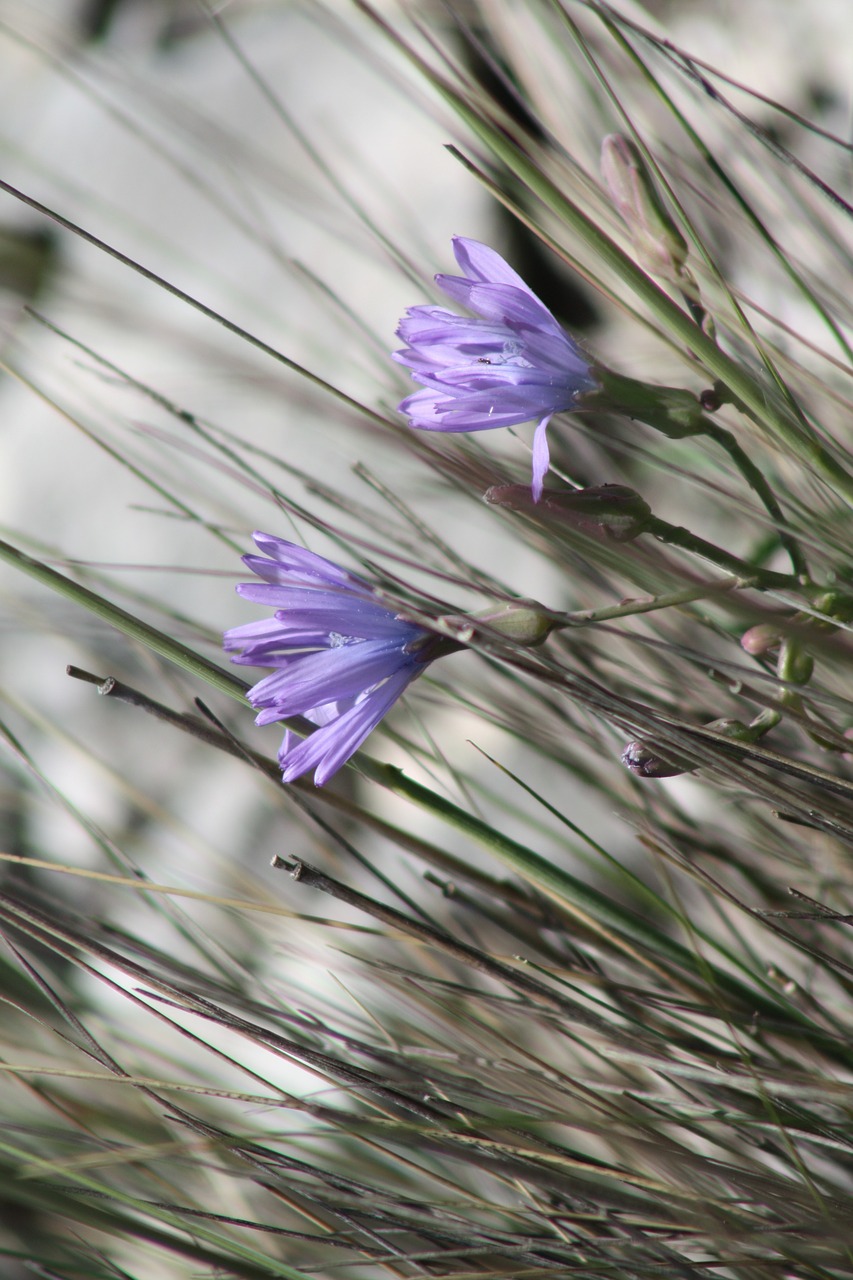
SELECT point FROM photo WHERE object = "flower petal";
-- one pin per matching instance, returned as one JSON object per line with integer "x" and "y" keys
{"x": 332, "y": 674}
{"x": 541, "y": 457}
{"x": 300, "y": 561}
{"x": 498, "y": 303}
{"x": 331, "y": 746}
{"x": 338, "y": 655}
{"x": 305, "y": 609}
{"x": 480, "y": 262}
{"x": 511, "y": 364}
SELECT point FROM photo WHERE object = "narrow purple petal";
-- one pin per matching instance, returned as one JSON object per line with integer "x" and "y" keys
{"x": 290, "y": 574}
{"x": 541, "y": 457}
{"x": 331, "y": 746}
{"x": 347, "y": 614}
{"x": 435, "y": 411}
{"x": 251, "y": 633}
{"x": 328, "y": 676}
{"x": 299, "y": 560}
{"x": 499, "y": 304}
{"x": 482, "y": 263}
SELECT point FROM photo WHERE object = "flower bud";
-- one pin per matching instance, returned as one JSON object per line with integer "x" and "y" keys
{"x": 649, "y": 764}
{"x": 613, "y": 509}
{"x": 658, "y": 244}
{"x": 761, "y": 639}
{"x": 523, "y": 621}
{"x": 646, "y": 763}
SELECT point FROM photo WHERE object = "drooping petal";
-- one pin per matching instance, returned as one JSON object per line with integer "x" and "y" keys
{"x": 332, "y": 745}
{"x": 541, "y": 457}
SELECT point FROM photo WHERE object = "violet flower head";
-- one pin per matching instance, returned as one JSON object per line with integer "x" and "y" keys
{"x": 511, "y": 364}
{"x": 339, "y": 657}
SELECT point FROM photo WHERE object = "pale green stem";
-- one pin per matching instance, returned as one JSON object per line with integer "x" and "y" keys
{"x": 763, "y": 579}
{"x": 678, "y": 413}
{"x": 756, "y": 480}
{"x": 648, "y": 604}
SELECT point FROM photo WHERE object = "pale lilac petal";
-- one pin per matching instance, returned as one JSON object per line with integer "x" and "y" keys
{"x": 499, "y": 304}
{"x": 288, "y": 742}
{"x": 300, "y": 560}
{"x": 250, "y": 633}
{"x": 328, "y": 676}
{"x": 303, "y": 609}
{"x": 541, "y": 457}
{"x": 331, "y": 746}
{"x": 434, "y": 411}
{"x": 287, "y": 575}
{"x": 479, "y": 262}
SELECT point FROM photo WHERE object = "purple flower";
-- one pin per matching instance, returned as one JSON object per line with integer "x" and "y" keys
{"x": 339, "y": 657}
{"x": 511, "y": 365}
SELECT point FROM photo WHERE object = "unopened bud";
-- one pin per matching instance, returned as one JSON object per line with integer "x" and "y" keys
{"x": 523, "y": 621}
{"x": 761, "y": 639}
{"x": 612, "y": 509}
{"x": 646, "y": 763}
{"x": 658, "y": 244}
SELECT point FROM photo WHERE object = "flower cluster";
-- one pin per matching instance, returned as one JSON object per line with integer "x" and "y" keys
{"x": 339, "y": 657}
{"x": 511, "y": 364}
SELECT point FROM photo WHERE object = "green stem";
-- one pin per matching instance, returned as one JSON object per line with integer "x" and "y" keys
{"x": 677, "y": 413}
{"x": 757, "y": 482}
{"x": 671, "y": 410}
{"x": 624, "y": 929}
{"x": 762, "y": 579}
{"x": 686, "y": 595}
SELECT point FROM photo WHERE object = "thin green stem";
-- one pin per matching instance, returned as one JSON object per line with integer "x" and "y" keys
{"x": 762, "y": 579}
{"x": 648, "y": 604}
{"x": 754, "y": 477}
{"x": 626, "y": 930}
{"x": 623, "y": 929}
{"x": 677, "y": 414}
{"x": 236, "y": 329}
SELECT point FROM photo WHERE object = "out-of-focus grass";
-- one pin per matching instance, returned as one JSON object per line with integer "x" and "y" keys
{"x": 499, "y": 1008}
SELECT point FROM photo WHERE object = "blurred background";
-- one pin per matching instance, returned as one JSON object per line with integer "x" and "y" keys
{"x": 288, "y": 166}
